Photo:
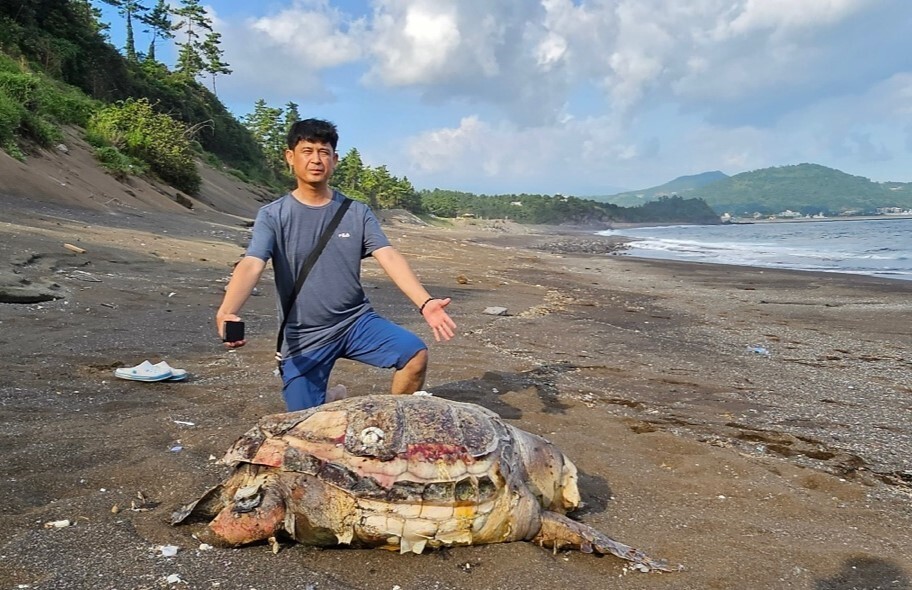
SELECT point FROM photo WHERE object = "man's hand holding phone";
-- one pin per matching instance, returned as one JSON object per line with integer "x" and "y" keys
{"x": 231, "y": 329}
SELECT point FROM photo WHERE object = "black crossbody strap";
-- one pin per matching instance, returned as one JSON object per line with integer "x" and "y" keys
{"x": 305, "y": 269}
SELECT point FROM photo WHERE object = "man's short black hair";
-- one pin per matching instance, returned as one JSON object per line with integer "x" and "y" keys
{"x": 314, "y": 130}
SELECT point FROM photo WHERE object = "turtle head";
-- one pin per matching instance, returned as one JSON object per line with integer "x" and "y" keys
{"x": 550, "y": 473}
{"x": 255, "y": 512}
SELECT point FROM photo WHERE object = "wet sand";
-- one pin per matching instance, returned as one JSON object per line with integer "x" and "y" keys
{"x": 752, "y": 425}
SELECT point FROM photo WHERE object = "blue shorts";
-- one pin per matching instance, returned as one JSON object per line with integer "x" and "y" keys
{"x": 372, "y": 340}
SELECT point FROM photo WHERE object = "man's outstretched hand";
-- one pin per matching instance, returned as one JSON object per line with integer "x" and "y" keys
{"x": 438, "y": 319}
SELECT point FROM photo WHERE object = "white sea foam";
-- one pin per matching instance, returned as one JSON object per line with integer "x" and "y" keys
{"x": 878, "y": 247}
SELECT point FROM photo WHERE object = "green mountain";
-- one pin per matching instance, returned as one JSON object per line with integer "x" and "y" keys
{"x": 804, "y": 188}
{"x": 681, "y": 186}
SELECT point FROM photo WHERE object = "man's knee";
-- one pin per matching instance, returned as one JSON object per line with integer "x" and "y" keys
{"x": 410, "y": 378}
{"x": 418, "y": 363}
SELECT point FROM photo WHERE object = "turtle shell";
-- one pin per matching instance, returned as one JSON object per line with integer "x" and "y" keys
{"x": 391, "y": 447}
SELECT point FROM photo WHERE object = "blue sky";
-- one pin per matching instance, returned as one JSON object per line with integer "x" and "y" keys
{"x": 582, "y": 97}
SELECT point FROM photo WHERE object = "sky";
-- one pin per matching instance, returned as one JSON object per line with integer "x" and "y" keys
{"x": 581, "y": 97}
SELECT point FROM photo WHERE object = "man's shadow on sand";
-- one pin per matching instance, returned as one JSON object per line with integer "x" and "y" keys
{"x": 866, "y": 573}
{"x": 489, "y": 389}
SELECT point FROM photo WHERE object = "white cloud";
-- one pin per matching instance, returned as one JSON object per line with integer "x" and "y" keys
{"x": 316, "y": 36}
{"x": 525, "y": 57}
{"x": 504, "y": 157}
{"x": 630, "y": 88}
{"x": 551, "y": 50}
{"x": 771, "y": 15}
{"x": 422, "y": 50}
{"x": 283, "y": 56}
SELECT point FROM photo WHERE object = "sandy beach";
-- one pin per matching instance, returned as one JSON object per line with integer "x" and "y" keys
{"x": 752, "y": 425}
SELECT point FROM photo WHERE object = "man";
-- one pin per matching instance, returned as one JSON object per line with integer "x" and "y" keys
{"x": 331, "y": 318}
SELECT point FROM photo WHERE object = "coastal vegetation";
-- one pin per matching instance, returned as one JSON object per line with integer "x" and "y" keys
{"x": 541, "y": 209}
{"x": 134, "y": 128}
{"x": 57, "y": 51}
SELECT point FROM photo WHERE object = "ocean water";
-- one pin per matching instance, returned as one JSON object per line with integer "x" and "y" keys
{"x": 881, "y": 247}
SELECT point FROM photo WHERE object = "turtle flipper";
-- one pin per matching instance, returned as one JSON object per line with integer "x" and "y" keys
{"x": 558, "y": 531}
{"x": 206, "y": 506}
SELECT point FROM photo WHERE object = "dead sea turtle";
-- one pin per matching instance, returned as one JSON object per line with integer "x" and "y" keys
{"x": 400, "y": 472}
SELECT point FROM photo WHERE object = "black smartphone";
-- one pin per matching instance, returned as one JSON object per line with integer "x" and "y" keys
{"x": 234, "y": 331}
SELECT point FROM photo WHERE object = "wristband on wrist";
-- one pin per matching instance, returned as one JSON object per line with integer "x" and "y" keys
{"x": 426, "y": 301}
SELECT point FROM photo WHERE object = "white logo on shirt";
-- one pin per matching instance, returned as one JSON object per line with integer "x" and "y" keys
{"x": 345, "y": 234}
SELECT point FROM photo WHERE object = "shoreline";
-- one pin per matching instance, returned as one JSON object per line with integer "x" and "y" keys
{"x": 746, "y": 267}
{"x": 822, "y": 220}
{"x": 773, "y": 249}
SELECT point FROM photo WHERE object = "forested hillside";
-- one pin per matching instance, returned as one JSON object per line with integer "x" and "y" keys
{"x": 809, "y": 189}
{"x": 48, "y": 42}
{"x": 526, "y": 208}
{"x": 682, "y": 186}
{"x": 147, "y": 118}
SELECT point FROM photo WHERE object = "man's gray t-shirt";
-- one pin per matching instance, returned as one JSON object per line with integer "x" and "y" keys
{"x": 332, "y": 298}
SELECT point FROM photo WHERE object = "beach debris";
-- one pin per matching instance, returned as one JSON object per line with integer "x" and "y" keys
{"x": 75, "y": 249}
{"x": 176, "y": 448}
{"x": 174, "y": 579}
{"x": 336, "y": 392}
{"x": 81, "y": 275}
{"x": 58, "y": 524}
{"x": 274, "y": 545}
{"x": 359, "y": 471}
{"x": 462, "y": 279}
{"x": 495, "y": 311}
{"x": 184, "y": 423}
{"x": 167, "y": 550}
{"x": 760, "y": 350}
{"x": 587, "y": 245}
{"x": 115, "y": 509}
{"x": 142, "y": 503}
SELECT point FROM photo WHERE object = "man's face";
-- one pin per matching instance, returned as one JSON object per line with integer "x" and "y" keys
{"x": 312, "y": 162}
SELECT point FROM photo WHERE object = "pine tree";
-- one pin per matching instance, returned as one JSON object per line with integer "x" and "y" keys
{"x": 129, "y": 9}
{"x": 266, "y": 125}
{"x": 193, "y": 17}
{"x": 159, "y": 22}
{"x": 213, "y": 57}
{"x": 292, "y": 115}
{"x": 349, "y": 174}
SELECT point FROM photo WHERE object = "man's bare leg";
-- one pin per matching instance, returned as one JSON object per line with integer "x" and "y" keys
{"x": 410, "y": 378}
